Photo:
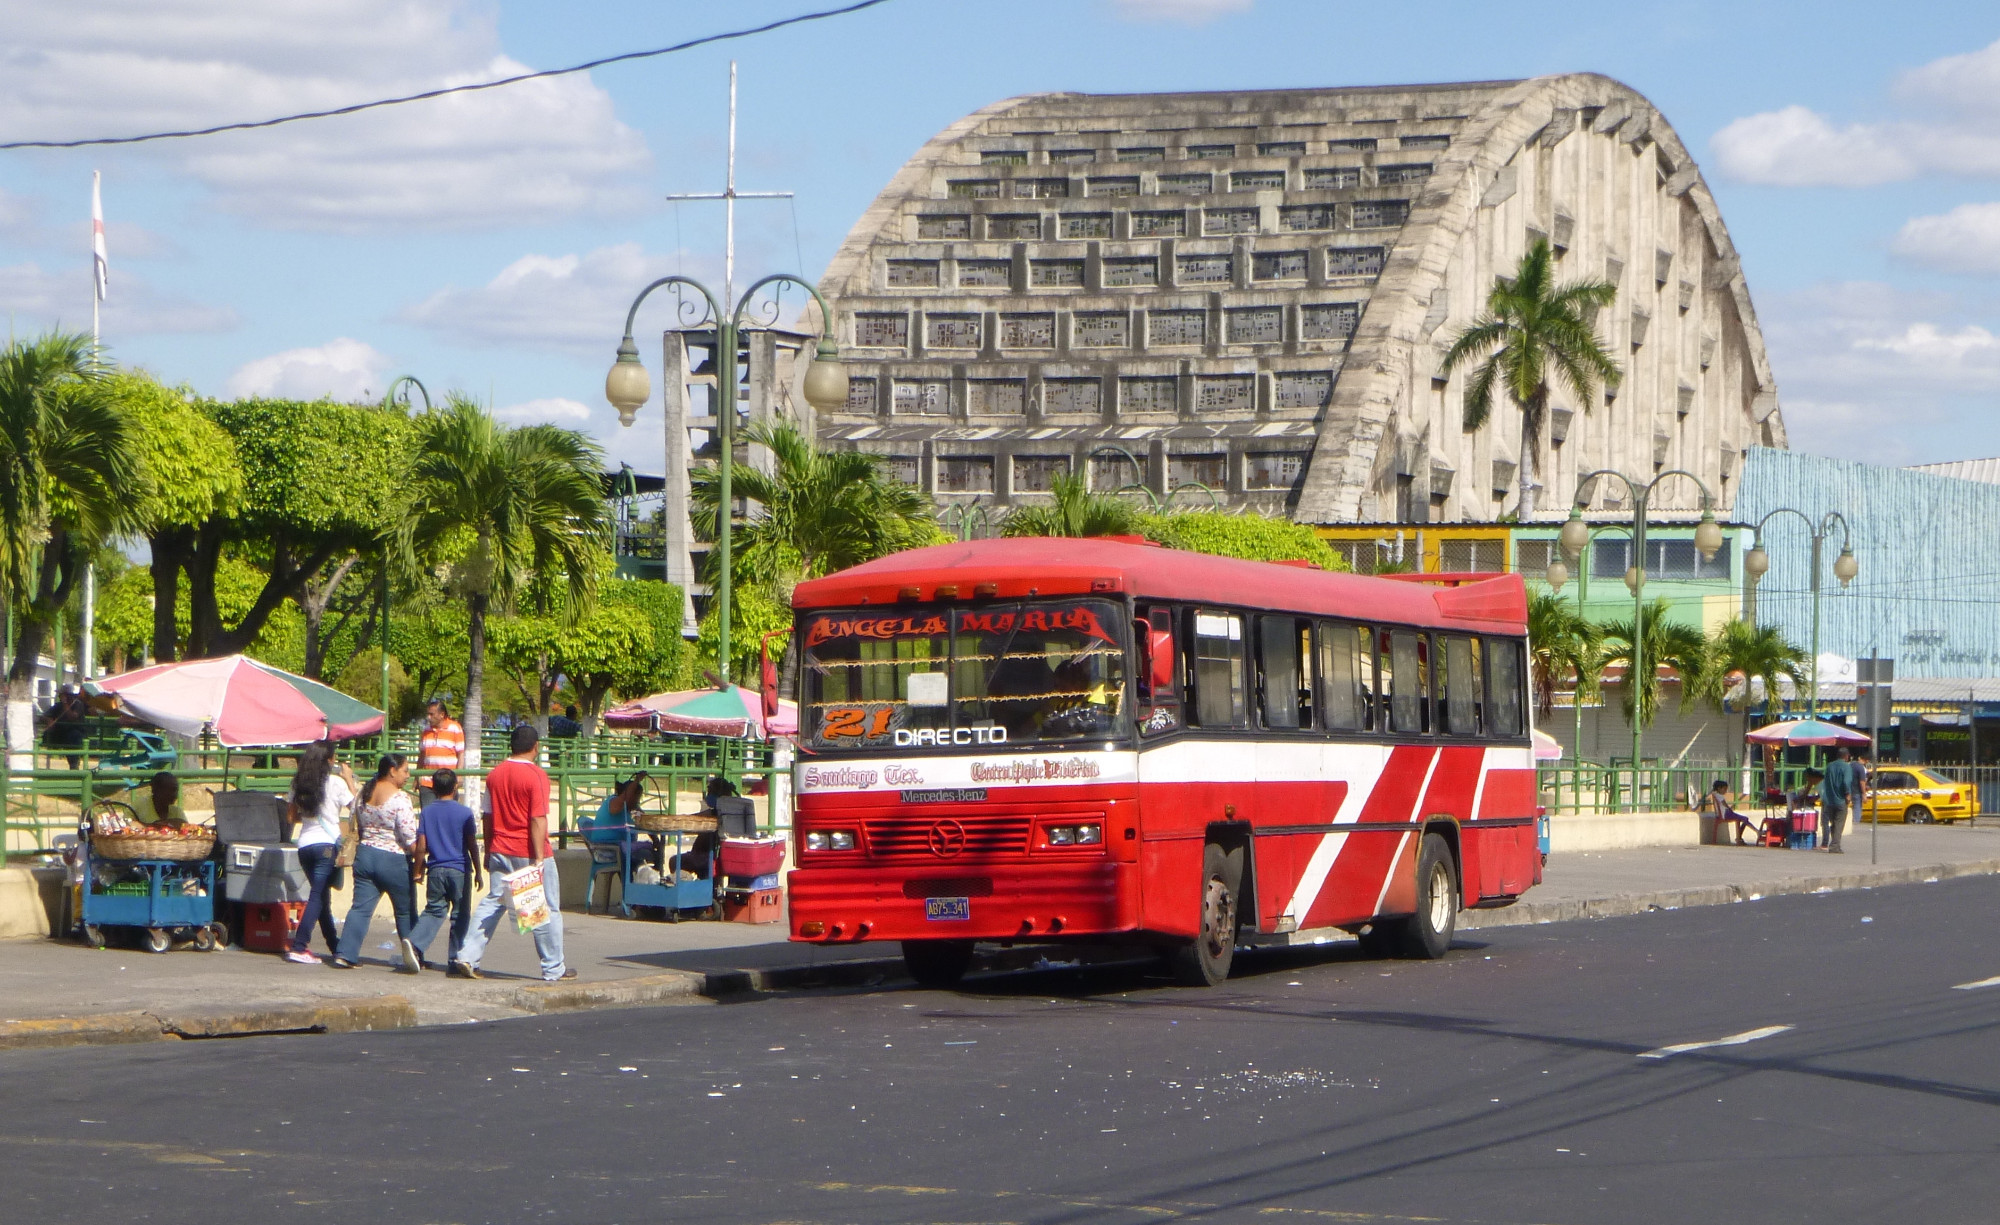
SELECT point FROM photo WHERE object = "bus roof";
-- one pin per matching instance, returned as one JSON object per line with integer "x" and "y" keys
{"x": 1025, "y": 566}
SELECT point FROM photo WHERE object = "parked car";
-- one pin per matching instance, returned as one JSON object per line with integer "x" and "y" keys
{"x": 1918, "y": 797}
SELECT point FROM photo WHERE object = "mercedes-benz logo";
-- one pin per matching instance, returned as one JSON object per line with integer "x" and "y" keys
{"x": 947, "y": 838}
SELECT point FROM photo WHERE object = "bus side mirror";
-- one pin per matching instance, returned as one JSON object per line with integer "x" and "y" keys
{"x": 1160, "y": 659}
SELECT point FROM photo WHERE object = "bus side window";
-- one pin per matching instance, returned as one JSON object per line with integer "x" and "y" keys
{"x": 1461, "y": 688}
{"x": 1503, "y": 687}
{"x": 1280, "y": 674}
{"x": 1369, "y": 678}
{"x": 1219, "y": 680}
{"x": 1158, "y": 707}
{"x": 1407, "y": 681}
{"x": 1339, "y": 689}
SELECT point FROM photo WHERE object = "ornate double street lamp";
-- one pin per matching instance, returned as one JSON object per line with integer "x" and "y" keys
{"x": 1576, "y": 534}
{"x": 628, "y": 387}
{"x": 1756, "y": 562}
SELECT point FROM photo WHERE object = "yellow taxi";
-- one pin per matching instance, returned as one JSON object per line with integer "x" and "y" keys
{"x": 1917, "y": 796}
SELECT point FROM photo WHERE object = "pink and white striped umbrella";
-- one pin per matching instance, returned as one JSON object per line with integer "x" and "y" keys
{"x": 245, "y": 703}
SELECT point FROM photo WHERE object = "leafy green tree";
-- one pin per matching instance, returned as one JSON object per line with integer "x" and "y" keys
{"x": 194, "y": 479}
{"x": 1074, "y": 511}
{"x": 822, "y": 511}
{"x": 1532, "y": 332}
{"x": 509, "y": 504}
{"x": 70, "y": 480}
{"x": 1563, "y": 645}
{"x": 320, "y": 482}
{"x": 1668, "y": 643}
{"x": 1252, "y": 537}
{"x": 628, "y": 643}
{"x": 754, "y": 612}
{"x": 428, "y": 636}
{"x": 126, "y": 608}
{"x": 1738, "y": 651}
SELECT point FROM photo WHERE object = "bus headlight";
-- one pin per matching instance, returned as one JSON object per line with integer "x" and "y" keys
{"x": 1089, "y": 835}
{"x": 1074, "y": 835}
{"x": 830, "y": 840}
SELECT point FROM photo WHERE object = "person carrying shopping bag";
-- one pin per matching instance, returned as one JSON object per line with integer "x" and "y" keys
{"x": 517, "y": 841}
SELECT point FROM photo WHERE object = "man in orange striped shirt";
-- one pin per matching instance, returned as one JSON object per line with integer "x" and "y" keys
{"x": 442, "y": 746}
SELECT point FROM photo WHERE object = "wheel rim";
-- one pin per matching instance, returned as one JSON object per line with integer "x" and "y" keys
{"x": 1918, "y": 816}
{"x": 1440, "y": 899}
{"x": 1218, "y": 919}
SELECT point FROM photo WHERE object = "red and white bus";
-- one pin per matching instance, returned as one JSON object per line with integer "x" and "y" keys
{"x": 1038, "y": 740}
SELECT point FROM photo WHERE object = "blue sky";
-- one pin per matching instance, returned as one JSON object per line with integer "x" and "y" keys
{"x": 492, "y": 243}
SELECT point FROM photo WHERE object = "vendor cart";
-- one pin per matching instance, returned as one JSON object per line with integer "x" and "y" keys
{"x": 159, "y": 885}
{"x": 675, "y": 845}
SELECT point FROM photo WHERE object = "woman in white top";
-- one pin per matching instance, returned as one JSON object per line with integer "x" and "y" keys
{"x": 387, "y": 823}
{"x": 322, "y": 792}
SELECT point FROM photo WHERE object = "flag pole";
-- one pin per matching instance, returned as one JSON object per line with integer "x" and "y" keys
{"x": 100, "y": 266}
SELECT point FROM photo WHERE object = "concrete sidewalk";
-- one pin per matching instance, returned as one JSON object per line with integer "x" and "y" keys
{"x": 55, "y": 992}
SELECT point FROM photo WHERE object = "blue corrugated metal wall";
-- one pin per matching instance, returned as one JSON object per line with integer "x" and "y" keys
{"x": 1928, "y": 594}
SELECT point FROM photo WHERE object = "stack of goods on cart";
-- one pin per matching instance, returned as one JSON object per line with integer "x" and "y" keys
{"x": 751, "y": 867}
{"x": 117, "y": 833}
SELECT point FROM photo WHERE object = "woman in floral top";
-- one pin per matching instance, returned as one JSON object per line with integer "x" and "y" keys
{"x": 387, "y": 824}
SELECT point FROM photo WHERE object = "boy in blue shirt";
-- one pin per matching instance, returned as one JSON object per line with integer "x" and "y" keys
{"x": 447, "y": 850}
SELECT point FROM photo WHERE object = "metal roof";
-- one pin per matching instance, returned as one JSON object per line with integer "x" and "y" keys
{"x": 1986, "y": 470}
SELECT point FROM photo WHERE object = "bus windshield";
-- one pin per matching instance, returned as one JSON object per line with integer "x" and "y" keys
{"x": 1017, "y": 673}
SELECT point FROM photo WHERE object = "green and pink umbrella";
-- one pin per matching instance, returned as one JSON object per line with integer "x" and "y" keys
{"x": 242, "y": 702}
{"x": 1806, "y": 731}
{"x": 735, "y": 711}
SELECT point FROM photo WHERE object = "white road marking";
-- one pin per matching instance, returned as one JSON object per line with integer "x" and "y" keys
{"x": 1749, "y": 1035}
{"x": 1984, "y": 982}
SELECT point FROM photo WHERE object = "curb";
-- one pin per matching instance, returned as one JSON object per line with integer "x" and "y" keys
{"x": 670, "y": 987}
{"x": 1523, "y": 913}
{"x": 121, "y": 1028}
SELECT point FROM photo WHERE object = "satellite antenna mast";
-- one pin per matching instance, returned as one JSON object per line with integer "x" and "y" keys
{"x": 729, "y": 196}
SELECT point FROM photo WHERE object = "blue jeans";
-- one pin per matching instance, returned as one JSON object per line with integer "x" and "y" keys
{"x": 318, "y": 864}
{"x": 548, "y": 937}
{"x": 376, "y": 872}
{"x": 446, "y": 891}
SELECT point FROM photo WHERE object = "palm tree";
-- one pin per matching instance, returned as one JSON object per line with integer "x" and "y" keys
{"x": 1679, "y": 646}
{"x": 70, "y": 479}
{"x": 1531, "y": 330}
{"x": 508, "y": 505}
{"x": 1755, "y": 653}
{"x": 1075, "y": 511}
{"x": 1562, "y": 645}
{"x": 822, "y": 511}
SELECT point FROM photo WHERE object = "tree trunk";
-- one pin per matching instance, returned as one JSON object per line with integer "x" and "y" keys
{"x": 313, "y": 601}
{"x": 208, "y": 638}
{"x": 54, "y": 583}
{"x": 1531, "y": 432}
{"x": 475, "y": 689}
{"x": 171, "y": 549}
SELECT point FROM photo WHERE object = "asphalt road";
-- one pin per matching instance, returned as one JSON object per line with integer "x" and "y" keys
{"x": 1509, "y": 1083}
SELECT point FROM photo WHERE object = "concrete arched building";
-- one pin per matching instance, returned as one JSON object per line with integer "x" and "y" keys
{"x": 1253, "y": 290}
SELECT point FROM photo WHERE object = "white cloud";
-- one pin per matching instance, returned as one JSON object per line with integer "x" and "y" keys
{"x": 526, "y": 152}
{"x": 1870, "y": 372}
{"x": 571, "y": 304}
{"x": 1797, "y": 147}
{"x": 553, "y": 410}
{"x": 38, "y": 299}
{"x": 344, "y": 369}
{"x": 1180, "y": 12}
{"x": 1966, "y": 239}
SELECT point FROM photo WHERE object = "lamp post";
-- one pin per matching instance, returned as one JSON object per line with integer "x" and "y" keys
{"x": 1757, "y": 561}
{"x": 398, "y": 393}
{"x": 627, "y": 386}
{"x": 1576, "y": 534}
{"x": 1556, "y": 575}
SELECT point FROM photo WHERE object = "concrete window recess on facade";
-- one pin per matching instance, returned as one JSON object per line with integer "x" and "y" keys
{"x": 997, "y": 397}
{"x": 965, "y": 474}
{"x": 1273, "y": 469}
{"x": 1211, "y": 470}
{"x": 1038, "y": 473}
{"x": 1214, "y": 355}
{"x": 1112, "y": 472}
{"x": 951, "y": 331}
{"x": 902, "y": 468}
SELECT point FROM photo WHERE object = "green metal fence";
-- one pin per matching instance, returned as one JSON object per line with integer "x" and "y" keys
{"x": 45, "y": 802}
{"x": 1596, "y": 787}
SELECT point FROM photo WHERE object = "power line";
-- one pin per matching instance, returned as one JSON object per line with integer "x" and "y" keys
{"x": 440, "y": 93}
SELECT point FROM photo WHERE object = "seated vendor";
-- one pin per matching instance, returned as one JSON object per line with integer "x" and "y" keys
{"x": 616, "y": 817}
{"x": 1807, "y": 796}
{"x": 1719, "y": 803}
{"x": 160, "y": 802}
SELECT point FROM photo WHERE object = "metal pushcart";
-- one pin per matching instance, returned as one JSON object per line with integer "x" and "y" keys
{"x": 674, "y": 840}
{"x": 164, "y": 900}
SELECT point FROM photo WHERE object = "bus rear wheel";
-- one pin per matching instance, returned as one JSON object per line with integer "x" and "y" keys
{"x": 938, "y": 964}
{"x": 1205, "y": 960}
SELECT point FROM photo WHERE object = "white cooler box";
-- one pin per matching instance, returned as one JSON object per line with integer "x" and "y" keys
{"x": 264, "y": 874}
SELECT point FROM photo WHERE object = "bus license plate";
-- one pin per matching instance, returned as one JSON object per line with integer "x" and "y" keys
{"x": 947, "y": 908}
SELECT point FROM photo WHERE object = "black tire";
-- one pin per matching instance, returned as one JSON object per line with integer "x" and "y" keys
{"x": 1917, "y": 814}
{"x": 93, "y": 935}
{"x": 1426, "y": 935}
{"x": 204, "y": 939}
{"x": 219, "y": 933}
{"x": 1205, "y": 960}
{"x": 937, "y": 964}
{"x": 158, "y": 940}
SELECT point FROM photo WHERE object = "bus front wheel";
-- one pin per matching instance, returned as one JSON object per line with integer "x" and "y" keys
{"x": 937, "y": 963}
{"x": 1205, "y": 960}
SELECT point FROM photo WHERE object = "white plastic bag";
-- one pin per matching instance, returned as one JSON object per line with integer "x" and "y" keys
{"x": 529, "y": 899}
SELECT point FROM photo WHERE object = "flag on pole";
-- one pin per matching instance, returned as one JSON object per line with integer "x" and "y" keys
{"x": 100, "y": 261}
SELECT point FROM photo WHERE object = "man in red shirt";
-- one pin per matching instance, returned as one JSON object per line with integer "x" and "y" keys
{"x": 517, "y": 837}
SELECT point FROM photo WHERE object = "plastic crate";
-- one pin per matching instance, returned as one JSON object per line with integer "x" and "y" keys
{"x": 760, "y": 906}
{"x": 268, "y": 926}
{"x": 752, "y": 884}
{"x": 752, "y": 856}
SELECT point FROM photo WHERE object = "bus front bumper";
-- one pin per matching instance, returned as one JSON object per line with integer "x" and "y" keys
{"x": 1023, "y": 901}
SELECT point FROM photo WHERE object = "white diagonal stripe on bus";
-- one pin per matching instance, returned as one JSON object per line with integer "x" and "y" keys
{"x": 1416, "y": 813}
{"x": 1389, "y": 877}
{"x": 1313, "y": 879}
